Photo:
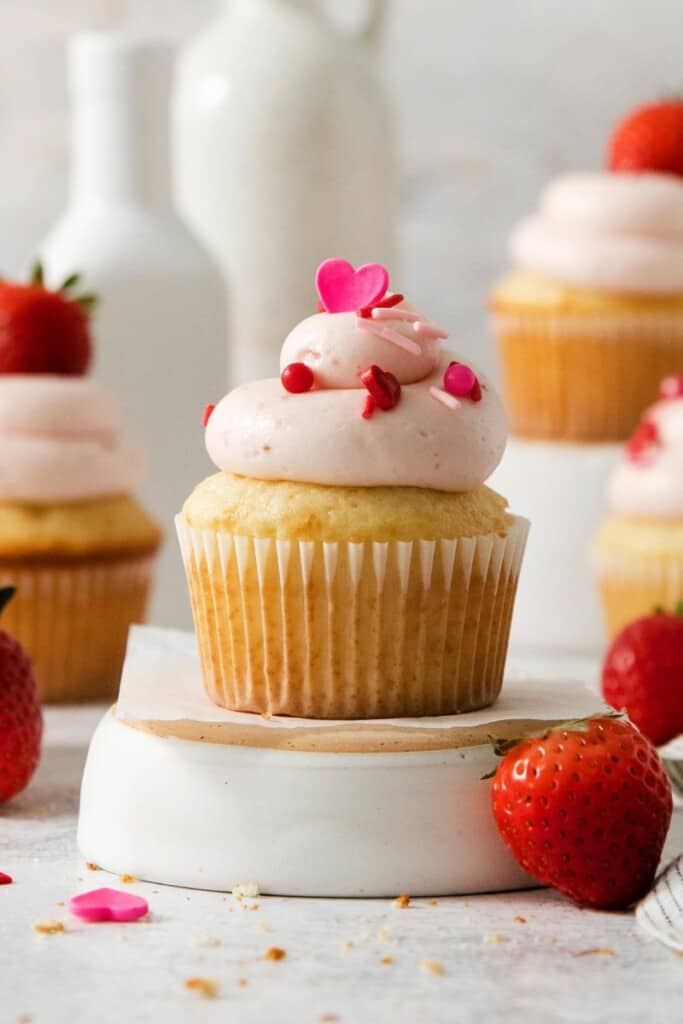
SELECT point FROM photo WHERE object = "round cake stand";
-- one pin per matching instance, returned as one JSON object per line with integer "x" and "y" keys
{"x": 396, "y": 811}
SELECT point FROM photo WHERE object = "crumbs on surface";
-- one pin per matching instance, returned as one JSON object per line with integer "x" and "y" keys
{"x": 428, "y": 966}
{"x": 205, "y": 988}
{"x": 206, "y": 941}
{"x": 242, "y": 982}
{"x": 596, "y": 951}
{"x": 493, "y": 938}
{"x": 48, "y": 927}
{"x": 275, "y": 953}
{"x": 386, "y": 960}
{"x": 127, "y": 879}
{"x": 402, "y": 901}
{"x": 92, "y": 867}
{"x": 246, "y": 890}
{"x": 519, "y": 919}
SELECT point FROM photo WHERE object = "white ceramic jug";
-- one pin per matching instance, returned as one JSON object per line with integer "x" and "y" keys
{"x": 283, "y": 157}
{"x": 160, "y": 327}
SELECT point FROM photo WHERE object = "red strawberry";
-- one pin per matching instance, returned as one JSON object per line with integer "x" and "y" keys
{"x": 21, "y": 720}
{"x": 586, "y": 809}
{"x": 649, "y": 139}
{"x": 643, "y": 675}
{"x": 43, "y": 331}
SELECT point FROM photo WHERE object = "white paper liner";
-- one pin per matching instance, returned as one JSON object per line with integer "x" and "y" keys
{"x": 162, "y": 682}
{"x": 349, "y": 630}
{"x": 660, "y": 914}
{"x": 73, "y": 620}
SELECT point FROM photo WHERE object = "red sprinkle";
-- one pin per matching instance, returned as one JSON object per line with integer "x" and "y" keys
{"x": 461, "y": 381}
{"x": 368, "y": 407}
{"x": 386, "y": 303}
{"x": 383, "y": 387}
{"x": 5, "y": 879}
{"x": 297, "y": 378}
{"x": 645, "y": 436}
{"x": 321, "y": 308}
{"x": 207, "y": 414}
{"x": 672, "y": 387}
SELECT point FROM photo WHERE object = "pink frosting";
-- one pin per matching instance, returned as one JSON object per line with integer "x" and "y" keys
{"x": 61, "y": 440}
{"x": 261, "y": 430}
{"x": 614, "y": 232}
{"x": 651, "y": 483}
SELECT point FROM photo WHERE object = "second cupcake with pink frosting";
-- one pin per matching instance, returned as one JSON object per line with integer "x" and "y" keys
{"x": 347, "y": 560}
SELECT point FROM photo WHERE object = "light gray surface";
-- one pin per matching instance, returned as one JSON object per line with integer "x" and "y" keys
{"x": 496, "y": 968}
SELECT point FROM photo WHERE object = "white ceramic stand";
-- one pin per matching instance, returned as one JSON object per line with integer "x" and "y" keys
{"x": 561, "y": 489}
{"x": 178, "y": 791}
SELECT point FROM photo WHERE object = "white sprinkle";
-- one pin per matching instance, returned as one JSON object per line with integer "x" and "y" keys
{"x": 387, "y": 334}
{"x": 450, "y": 401}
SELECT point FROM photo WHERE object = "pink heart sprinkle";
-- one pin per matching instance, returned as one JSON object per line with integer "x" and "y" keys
{"x": 108, "y": 905}
{"x": 343, "y": 289}
{"x": 5, "y": 879}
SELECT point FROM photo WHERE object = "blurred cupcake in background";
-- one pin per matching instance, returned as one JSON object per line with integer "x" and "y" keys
{"x": 591, "y": 318}
{"x": 348, "y": 561}
{"x": 75, "y": 543}
{"x": 639, "y": 549}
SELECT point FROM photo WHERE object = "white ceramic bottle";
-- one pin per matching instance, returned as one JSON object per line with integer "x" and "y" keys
{"x": 283, "y": 157}
{"x": 160, "y": 327}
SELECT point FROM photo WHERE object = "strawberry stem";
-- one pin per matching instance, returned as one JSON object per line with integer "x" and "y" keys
{"x": 6, "y": 595}
{"x": 87, "y": 302}
{"x": 502, "y": 747}
{"x": 37, "y": 275}
{"x": 70, "y": 282}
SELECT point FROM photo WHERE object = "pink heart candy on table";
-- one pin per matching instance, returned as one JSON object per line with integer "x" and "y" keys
{"x": 108, "y": 905}
{"x": 344, "y": 290}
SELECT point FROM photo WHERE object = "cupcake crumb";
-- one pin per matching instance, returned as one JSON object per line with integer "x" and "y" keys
{"x": 386, "y": 960}
{"x": 206, "y": 941}
{"x": 92, "y": 867}
{"x": 493, "y": 938}
{"x": 246, "y": 890}
{"x": 48, "y": 927}
{"x": 402, "y": 901}
{"x": 205, "y": 988}
{"x": 429, "y": 966}
{"x": 242, "y": 982}
{"x": 519, "y": 919}
{"x": 275, "y": 953}
{"x": 127, "y": 879}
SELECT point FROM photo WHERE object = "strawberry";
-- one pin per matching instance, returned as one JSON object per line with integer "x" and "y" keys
{"x": 643, "y": 675}
{"x": 43, "y": 331}
{"x": 21, "y": 720}
{"x": 649, "y": 139}
{"x": 585, "y": 808}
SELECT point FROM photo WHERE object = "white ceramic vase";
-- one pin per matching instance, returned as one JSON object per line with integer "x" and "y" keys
{"x": 283, "y": 156}
{"x": 160, "y": 326}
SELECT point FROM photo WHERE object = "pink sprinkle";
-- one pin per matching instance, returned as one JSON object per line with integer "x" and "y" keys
{"x": 442, "y": 396}
{"x": 424, "y": 330}
{"x": 387, "y": 334}
{"x": 672, "y": 387}
{"x": 108, "y": 905}
{"x": 368, "y": 407}
{"x": 5, "y": 879}
{"x": 382, "y": 313}
{"x": 459, "y": 380}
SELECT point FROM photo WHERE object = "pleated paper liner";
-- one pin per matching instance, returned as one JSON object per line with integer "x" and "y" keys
{"x": 634, "y": 584}
{"x": 344, "y": 630}
{"x": 661, "y": 912}
{"x": 73, "y": 620}
{"x": 584, "y": 377}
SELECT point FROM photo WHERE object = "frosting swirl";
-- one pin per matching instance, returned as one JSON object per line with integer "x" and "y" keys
{"x": 429, "y": 439}
{"x": 649, "y": 481}
{"x": 614, "y": 232}
{"x": 61, "y": 440}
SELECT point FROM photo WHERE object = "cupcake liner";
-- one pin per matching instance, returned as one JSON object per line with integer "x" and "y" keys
{"x": 73, "y": 621}
{"x": 634, "y": 584}
{"x": 583, "y": 377}
{"x": 352, "y": 630}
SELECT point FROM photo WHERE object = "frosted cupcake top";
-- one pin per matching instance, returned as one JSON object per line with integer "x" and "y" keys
{"x": 649, "y": 481}
{"x": 61, "y": 440}
{"x": 615, "y": 232}
{"x": 366, "y": 398}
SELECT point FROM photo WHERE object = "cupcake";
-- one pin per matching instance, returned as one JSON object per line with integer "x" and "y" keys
{"x": 347, "y": 560}
{"x": 591, "y": 318}
{"x": 639, "y": 549}
{"x": 73, "y": 540}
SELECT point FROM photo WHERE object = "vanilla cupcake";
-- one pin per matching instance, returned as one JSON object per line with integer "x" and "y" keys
{"x": 347, "y": 561}
{"x": 639, "y": 550}
{"x": 592, "y": 318}
{"x": 73, "y": 540}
